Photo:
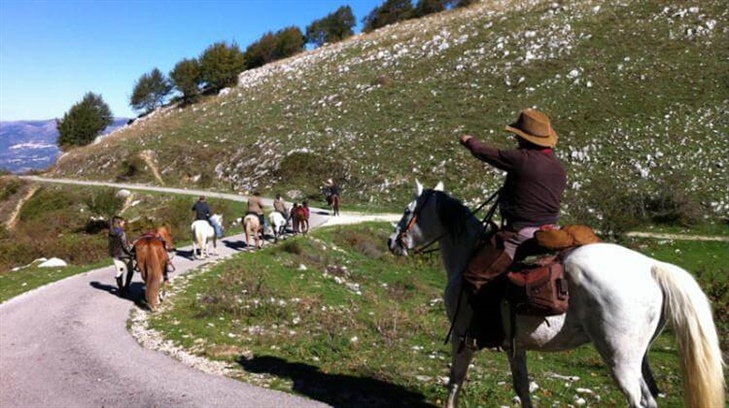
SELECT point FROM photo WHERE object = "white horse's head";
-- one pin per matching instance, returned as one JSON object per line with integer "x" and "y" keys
{"x": 417, "y": 219}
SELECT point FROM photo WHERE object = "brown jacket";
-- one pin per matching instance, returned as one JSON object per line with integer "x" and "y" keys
{"x": 535, "y": 183}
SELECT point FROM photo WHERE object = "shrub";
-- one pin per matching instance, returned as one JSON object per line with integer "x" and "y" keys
{"x": 131, "y": 167}
{"x": 104, "y": 203}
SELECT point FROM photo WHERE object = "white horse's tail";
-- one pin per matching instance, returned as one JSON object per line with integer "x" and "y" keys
{"x": 690, "y": 314}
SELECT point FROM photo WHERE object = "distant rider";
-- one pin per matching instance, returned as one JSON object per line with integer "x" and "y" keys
{"x": 255, "y": 206}
{"x": 202, "y": 212}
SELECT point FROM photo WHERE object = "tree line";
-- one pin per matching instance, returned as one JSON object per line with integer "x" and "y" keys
{"x": 219, "y": 65}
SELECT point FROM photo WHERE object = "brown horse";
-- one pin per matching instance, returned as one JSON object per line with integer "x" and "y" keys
{"x": 300, "y": 219}
{"x": 152, "y": 258}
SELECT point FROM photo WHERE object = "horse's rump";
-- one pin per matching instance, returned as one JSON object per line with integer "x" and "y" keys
{"x": 151, "y": 256}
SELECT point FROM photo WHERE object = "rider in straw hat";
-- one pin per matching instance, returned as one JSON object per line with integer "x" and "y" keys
{"x": 530, "y": 197}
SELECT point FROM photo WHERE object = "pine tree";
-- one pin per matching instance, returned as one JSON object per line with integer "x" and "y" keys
{"x": 150, "y": 91}
{"x": 83, "y": 122}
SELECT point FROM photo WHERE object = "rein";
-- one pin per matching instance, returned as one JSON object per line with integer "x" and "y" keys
{"x": 423, "y": 249}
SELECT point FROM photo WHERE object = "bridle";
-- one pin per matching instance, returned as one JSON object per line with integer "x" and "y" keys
{"x": 418, "y": 208}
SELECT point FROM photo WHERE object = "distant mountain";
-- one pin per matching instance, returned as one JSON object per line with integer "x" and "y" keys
{"x": 31, "y": 144}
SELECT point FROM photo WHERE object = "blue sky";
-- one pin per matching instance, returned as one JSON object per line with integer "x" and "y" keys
{"x": 54, "y": 51}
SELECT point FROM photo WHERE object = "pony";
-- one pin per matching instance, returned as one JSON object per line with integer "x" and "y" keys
{"x": 300, "y": 220}
{"x": 620, "y": 300}
{"x": 153, "y": 251}
{"x": 202, "y": 234}
{"x": 278, "y": 224}
{"x": 252, "y": 227}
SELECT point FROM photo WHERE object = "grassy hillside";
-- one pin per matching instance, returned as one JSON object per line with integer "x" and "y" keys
{"x": 638, "y": 92}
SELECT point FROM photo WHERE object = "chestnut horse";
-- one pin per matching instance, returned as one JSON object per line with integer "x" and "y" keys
{"x": 153, "y": 252}
{"x": 300, "y": 219}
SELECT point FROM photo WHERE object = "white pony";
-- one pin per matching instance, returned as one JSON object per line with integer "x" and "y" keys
{"x": 202, "y": 234}
{"x": 278, "y": 224}
{"x": 620, "y": 300}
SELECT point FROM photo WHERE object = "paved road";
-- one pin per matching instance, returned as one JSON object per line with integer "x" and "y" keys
{"x": 67, "y": 345}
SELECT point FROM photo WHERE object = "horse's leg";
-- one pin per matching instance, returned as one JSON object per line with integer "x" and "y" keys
{"x": 520, "y": 376}
{"x": 648, "y": 377}
{"x": 625, "y": 364}
{"x": 461, "y": 357}
{"x": 215, "y": 244}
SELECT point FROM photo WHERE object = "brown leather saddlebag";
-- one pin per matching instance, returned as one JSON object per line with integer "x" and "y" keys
{"x": 490, "y": 261}
{"x": 540, "y": 291}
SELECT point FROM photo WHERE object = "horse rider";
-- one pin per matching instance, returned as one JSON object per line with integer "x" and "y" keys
{"x": 255, "y": 206}
{"x": 121, "y": 252}
{"x": 280, "y": 206}
{"x": 331, "y": 189}
{"x": 530, "y": 199}
{"x": 202, "y": 212}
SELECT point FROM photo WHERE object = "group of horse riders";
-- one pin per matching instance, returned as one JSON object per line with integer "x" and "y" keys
{"x": 122, "y": 250}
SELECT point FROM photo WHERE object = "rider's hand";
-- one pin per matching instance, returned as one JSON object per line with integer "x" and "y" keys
{"x": 465, "y": 138}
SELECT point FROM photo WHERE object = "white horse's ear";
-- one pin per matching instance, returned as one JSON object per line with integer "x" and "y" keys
{"x": 439, "y": 186}
{"x": 418, "y": 188}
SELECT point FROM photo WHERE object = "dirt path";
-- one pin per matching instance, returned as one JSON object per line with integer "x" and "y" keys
{"x": 678, "y": 237}
{"x": 13, "y": 221}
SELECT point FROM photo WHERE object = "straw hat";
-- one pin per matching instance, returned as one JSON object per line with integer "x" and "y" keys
{"x": 534, "y": 126}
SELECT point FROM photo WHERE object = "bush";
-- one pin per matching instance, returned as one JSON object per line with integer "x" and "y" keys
{"x": 131, "y": 167}
{"x": 104, "y": 203}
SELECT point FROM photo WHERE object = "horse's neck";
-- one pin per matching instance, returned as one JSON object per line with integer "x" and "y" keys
{"x": 456, "y": 251}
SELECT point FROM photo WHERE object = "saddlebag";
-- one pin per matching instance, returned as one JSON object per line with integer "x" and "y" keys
{"x": 540, "y": 291}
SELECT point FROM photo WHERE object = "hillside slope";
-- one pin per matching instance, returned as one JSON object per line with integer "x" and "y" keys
{"x": 638, "y": 92}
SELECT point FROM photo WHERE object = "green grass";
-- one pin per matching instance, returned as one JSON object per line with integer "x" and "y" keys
{"x": 356, "y": 325}
{"x": 16, "y": 282}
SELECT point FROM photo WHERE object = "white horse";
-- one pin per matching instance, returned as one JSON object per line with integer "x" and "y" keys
{"x": 620, "y": 301}
{"x": 278, "y": 224}
{"x": 203, "y": 234}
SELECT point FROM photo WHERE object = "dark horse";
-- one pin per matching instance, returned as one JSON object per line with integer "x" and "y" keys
{"x": 153, "y": 251}
{"x": 332, "y": 197}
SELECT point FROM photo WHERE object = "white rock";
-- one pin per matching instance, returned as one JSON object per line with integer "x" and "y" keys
{"x": 53, "y": 263}
{"x": 123, "y": 193}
